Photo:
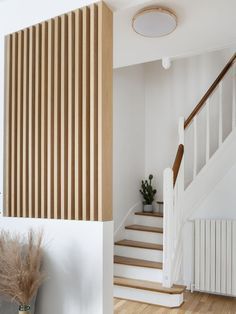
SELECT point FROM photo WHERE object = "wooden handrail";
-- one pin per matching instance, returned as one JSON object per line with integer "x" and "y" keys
{"x": 210, "y": 91}
{"x": 177, "y": 163}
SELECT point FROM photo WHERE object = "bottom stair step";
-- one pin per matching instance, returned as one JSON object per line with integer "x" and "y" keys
{"x": 148, "y": 292}
{"x": 148, "y": 285}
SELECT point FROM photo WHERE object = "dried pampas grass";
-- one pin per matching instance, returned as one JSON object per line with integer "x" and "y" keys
{"x": 20, "y": 266}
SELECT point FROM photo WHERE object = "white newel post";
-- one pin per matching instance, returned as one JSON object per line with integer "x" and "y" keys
{"x": 168, "y": 196}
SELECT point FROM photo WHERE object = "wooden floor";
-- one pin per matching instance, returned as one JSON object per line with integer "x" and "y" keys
{"x": 194, "y": 303}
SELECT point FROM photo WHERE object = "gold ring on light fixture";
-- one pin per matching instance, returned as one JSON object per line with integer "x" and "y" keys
{"x": 165, "y": 16}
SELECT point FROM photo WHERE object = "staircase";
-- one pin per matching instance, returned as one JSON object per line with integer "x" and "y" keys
{"x": 147, "y": 262}
{"x": 138, "y": 268}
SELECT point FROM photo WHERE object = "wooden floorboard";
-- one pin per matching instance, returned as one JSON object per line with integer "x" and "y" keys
{"x": 193, "y": 303}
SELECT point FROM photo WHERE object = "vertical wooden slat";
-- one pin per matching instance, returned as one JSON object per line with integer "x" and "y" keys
{"x": 49, "y": 119}
{"x": 7, "y": 176}
{"x": 86, "y": 116}
{"x": 105, "y": 74}
{"x": 195, "y": 147}
{"x": 13, "y": 126}
{"x": 78, "y": 114}
{"x": 94, "y": 112}
{"x": 25, "y": 124}
{"x": 44, "y": 69}
{"x": 37, "y": 118}
{"x": 57, "y": 136}
{"x": 64, "y": 114}
{"x": 220, "y": 113}
{"x": 71, "y": 113}
{"x": 19, "y": 123}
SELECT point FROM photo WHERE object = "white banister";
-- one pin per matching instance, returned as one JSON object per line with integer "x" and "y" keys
{"x": 168, "y": 197}
{"x": 207, "y": 129}
{"x": 220, "y": 113}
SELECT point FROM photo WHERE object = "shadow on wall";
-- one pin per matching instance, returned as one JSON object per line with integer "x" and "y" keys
{"x": 68, "y": 278}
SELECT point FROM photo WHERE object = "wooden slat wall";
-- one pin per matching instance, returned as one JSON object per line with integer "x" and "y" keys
{"x": 58, "y": 126}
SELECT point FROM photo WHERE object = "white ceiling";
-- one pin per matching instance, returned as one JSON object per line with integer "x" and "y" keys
{"x": 203, "y": 25}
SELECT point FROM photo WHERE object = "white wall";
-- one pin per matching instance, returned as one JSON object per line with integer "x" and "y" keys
{"x": 129, "y": 139}
{"x": 78, "y": 262}
{"x": 173, "y": 93}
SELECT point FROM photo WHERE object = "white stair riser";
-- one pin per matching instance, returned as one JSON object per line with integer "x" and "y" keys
{"x": 148, "y": 221}
{"x": 150, "y": 237}
{"x": 162, "y": 299}
{"x": 146, "y": 254}
{"x": 134, "y": 272}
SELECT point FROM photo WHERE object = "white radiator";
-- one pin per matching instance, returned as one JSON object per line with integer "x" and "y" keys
{"x": 215, "y": 256}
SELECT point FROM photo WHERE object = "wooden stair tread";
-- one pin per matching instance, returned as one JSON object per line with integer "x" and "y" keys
{"x": 144, "y": 228}
{"x": 153, "y": 214}
{"x": 138, "y": 244}
{"x": 136, "y": 262}
{"x": 148, "y": 285}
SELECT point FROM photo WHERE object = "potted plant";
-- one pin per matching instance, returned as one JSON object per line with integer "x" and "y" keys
{"x": 20, "y": 269}
{"x": 148, "y": 194}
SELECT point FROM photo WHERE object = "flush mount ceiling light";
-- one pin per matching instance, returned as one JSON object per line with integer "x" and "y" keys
{"x": 154, "y": 22}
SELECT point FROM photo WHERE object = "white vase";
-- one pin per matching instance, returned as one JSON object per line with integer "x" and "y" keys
{"x": 147, "y": 208}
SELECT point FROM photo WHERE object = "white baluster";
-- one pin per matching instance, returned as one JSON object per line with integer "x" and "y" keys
{"x": 168, "y": 197}
{"x": 207, "y": 130}
{"x": 220, "y": 113}
{"x": 195, "y": 147}
{"x": 234, "y": 99}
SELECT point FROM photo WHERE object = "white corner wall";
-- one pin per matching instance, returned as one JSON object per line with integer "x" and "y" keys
{"x": 78, "y": 260}
{"x": 128, "y": 141}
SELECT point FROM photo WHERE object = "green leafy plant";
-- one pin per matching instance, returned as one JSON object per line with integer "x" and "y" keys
{"x": 147, "y": 191}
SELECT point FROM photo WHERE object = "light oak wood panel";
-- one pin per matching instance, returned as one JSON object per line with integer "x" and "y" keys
{"x": 59, "y": 117}
{"x": 105, "y": 65}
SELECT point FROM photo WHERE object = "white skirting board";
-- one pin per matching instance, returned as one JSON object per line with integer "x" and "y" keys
{"x": 162, "y": 299}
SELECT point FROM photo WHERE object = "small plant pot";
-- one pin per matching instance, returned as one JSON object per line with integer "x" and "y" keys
{"x": 147, "y": 208}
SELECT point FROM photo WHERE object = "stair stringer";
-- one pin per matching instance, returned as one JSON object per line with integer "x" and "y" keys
{"x": 209, "y": 176}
